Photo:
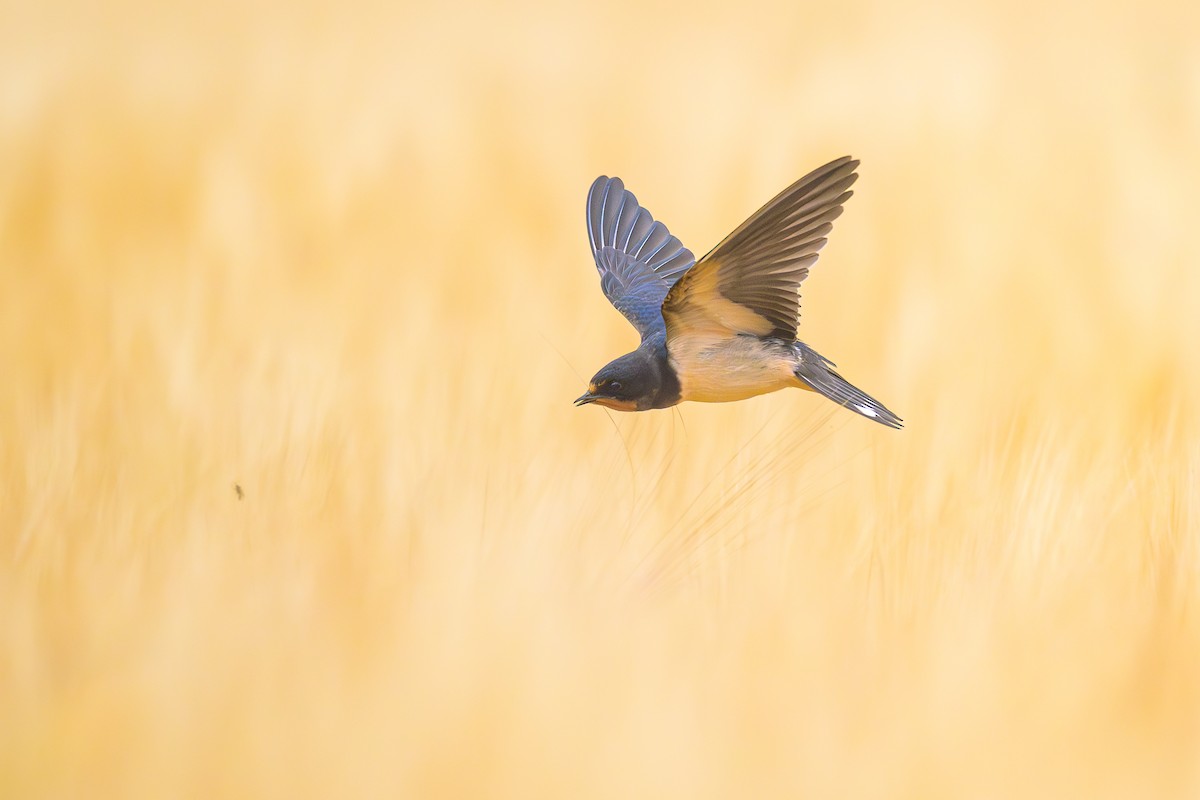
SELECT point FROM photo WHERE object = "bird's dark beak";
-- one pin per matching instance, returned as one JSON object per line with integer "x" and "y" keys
{"x": 585, "y": 398}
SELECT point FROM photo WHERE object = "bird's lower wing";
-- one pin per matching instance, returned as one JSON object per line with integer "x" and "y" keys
{"x": 749, "y": 283}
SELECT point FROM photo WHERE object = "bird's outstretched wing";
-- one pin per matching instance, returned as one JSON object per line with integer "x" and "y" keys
{"x": 750, "y": 282}
{"x": 638, "y": 259}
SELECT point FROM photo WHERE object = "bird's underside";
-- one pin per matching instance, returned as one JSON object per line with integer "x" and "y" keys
{"x": 723, "y": 328}
{"x": 722, "y": 370}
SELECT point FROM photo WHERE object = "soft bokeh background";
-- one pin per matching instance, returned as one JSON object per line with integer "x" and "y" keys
{"x": 294, "y": 299}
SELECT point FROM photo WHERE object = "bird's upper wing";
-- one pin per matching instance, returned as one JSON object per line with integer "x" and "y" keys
{"x": 750, "y": 282}
{"x": 638, "y": 259}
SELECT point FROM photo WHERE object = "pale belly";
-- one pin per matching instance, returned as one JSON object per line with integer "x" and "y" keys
{"x": 726, "y": 369}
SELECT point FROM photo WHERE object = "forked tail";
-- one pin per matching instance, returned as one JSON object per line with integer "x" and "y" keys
{"x": 816, "y": 372}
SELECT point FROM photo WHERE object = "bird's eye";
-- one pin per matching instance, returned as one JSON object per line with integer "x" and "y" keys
{"x": 615, "y": 386}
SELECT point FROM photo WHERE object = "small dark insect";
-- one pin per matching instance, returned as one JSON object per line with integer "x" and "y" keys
{"x": 237, "y": 488}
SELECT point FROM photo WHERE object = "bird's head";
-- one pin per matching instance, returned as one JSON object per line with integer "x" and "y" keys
{"x": 626, "y": 384}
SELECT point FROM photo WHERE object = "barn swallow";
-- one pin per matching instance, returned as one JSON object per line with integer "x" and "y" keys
{"x": 722, "y": 328}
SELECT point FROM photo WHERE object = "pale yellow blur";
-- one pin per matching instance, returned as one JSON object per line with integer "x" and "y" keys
{"x": 294, "y": 302}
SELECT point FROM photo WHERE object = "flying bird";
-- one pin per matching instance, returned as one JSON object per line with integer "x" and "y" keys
{"x": 722, "y": 328}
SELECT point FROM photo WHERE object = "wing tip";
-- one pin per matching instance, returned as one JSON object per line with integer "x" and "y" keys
{"x": 594, "y": 209}
{"x": 597, "y": 207}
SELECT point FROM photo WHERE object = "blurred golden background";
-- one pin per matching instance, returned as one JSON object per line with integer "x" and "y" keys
{"x": 293, "y": 501}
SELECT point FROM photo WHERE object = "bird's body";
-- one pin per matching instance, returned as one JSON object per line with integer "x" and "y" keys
{"x": 723, "y": 328}
{"x": 714, "y": 370}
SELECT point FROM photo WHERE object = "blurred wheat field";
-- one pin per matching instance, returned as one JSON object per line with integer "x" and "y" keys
{"x": 294, "y": 503}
